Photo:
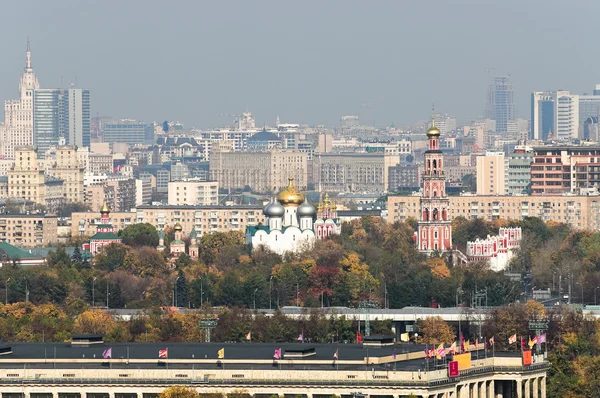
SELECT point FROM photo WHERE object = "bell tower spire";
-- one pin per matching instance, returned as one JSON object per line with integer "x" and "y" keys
{"x": 28, "y": 56}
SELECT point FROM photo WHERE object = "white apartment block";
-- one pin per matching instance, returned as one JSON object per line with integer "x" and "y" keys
{"x": 193, "y": 192}
{"x": 490, "y": 174}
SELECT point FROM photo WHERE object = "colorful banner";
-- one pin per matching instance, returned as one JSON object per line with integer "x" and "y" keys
{"x": 527, "y": 357}
{"x": 464, "y": 361}
{"x": 453, "y": 369}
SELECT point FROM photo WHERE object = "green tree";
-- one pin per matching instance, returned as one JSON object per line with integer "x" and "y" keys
{"x": 111, "y": 257}
{"x": 140, "y": 234}
{"x": 181, "y": 289}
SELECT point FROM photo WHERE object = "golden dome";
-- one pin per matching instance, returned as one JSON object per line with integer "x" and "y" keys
{"x": 433, "y": 131}
{"x": 178, "y": 227}
{"x": 104, "y": 209}
{"x": 290, "y": 196}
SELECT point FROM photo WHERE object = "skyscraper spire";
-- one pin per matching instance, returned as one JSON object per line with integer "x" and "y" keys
{"x": 28, "y": 60}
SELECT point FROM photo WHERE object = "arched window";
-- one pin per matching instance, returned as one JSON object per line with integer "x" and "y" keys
{"x": 435, "y": 214}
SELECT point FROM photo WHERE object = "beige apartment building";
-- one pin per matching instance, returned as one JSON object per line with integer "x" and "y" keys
{"x": 100, "y": 163}
{"x": 353, "y": 171}
{"x": 193, "y": 192}
{"x": 26, "y": 178}
{"x": 205, "y": 219}
{"x": 66, "y": 166}
{"x": 261, "y": 171}
{"x": 28, "y": 230}
{"x": 580, "y": 212}
{"x": 84, "y": 223}
{"x": 118, "y": 192}
{"x": 490, "y": 174}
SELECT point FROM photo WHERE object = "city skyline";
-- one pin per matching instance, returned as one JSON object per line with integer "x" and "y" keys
{"x": 181, "y": 64}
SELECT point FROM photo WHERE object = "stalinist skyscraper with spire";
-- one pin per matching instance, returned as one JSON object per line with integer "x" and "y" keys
{"x": 18, "y": 113}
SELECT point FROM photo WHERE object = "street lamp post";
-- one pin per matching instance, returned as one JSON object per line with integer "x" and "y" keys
{"x": 254, "y": 298}
{"x": 6, "y": 291}
{"x": 385, "y": 300}
{"x": 270, "y": 290}
{"x": 580, "y": 285}
{"x": 201, "y": 292}
{"x": 26, "y": 291}
{"x": 94, "y": 292}
{"x": 107, "y": 293}
{"x": 458, "y": 290}
{"x": 175, "y": 293}
{"x": 297, "y": 295}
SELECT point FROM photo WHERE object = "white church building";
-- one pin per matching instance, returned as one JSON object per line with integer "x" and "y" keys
{"x": 292, "y": 223}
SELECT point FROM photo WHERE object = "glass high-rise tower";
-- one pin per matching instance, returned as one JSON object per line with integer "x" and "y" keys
{"x": 500, "y": 102}
{"x": 61, "y": 116}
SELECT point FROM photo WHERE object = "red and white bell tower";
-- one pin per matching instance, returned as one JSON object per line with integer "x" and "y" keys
{"x": 434, "y": 228}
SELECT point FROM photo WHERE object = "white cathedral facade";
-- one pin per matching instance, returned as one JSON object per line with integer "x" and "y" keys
{"x": 292, "y": 223}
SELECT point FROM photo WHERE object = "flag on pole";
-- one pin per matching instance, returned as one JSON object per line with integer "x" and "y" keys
{"x": 462, "y": 343}
{"x": 107, "y": 354}
{"x": 404, "y": 337}
{"x": 432, "y": 352}
{"x": 221, "y": 353}
{"x": 492, "y": 340}
{"x": 452, "y": 348}
{"x": 441, "y": 352}
{"x": 535, "y": 340}
{"x": 512, "y": 339}
{"x": 359, "y": 338}
{"x": 164, "y": 354}
{"x": 394, "y": 354}
{"x": 301, "y": 337}
{"x": 476, "y": 343}
{"x": 542, "y": 338}
{"x": 426, "y": 352}
{"x": 530, "y": 343}
{"x": 249, "y": 336}
{"x": 336, "y": 354}
{"x": 522, "y": 343}
{"x": 467, "y": 347}
{"x": 277, "y": 354}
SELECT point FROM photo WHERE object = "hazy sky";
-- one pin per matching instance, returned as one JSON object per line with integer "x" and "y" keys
{"x": 308, "y": 61}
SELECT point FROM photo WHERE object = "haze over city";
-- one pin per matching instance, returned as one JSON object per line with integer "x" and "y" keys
{"x": 310, "y": 63}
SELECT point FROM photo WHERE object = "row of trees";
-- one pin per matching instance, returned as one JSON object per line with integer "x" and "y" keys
{"x": 371, "y": 260}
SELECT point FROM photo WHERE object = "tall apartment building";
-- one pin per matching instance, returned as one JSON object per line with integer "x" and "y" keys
{"x": 66, "y": 167}
{"x": 119, "y": 193}
{"x": 554, "y": 114}
{"x": 490, "y": 174}
{"x": 261, "y": 171}
{"x": 18, "y": 113}
{"x": 500, "y": 102}
{"x": 517, "y": 175}
{"x": 61, "y": 116}
{"x": 124, "y": 192}
{"x": 26, "y": 178}
{"x": 564, "y": 169}
{"x": 28, "y": 230}
{"x": 193, "y": 192}
{"x": 128, "y": 131}
{"x": 580, "y": 212}
{"x": 353, "y": 171}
